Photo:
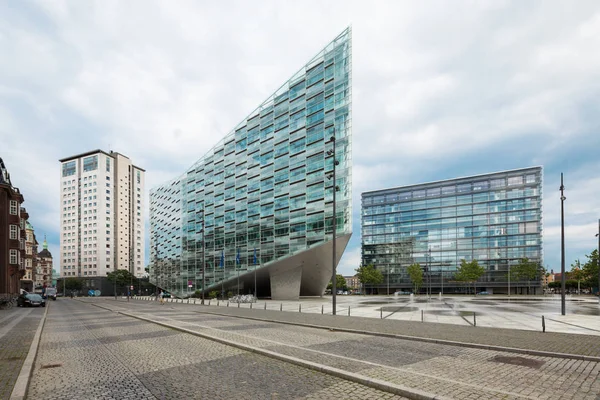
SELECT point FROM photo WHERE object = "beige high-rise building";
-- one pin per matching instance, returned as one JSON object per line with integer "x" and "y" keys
{"x": 102, "y": 215}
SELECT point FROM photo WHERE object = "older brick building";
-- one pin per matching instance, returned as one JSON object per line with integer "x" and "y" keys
{"x": 12, "y": 234}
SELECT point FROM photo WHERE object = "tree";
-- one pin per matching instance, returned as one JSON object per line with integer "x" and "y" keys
{"x": 368, "y": 274}
{"x": 416, "y": 276}
{"x": 590, "y": 269}
{"x": 68, "y": 284}
{"x": 340, "y": 283}
{"x": 121, "y": 277}
{"x": 526, "y": 270}
{"x": 469, "y": 271}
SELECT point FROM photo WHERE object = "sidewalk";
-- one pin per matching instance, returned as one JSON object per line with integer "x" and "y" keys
{"x": 17, "y": 329}
{"x": 558, "y": 344}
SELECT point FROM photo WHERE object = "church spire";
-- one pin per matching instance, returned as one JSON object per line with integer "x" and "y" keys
{"x": 45, "y": 243}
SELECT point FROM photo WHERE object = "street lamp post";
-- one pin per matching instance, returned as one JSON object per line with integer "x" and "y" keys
{"x": 333, "y": 253}
{"x": 508, "y": 263}
{"x": 429, "y": 273}
{"x": 598, "y": 260}
{"x": 562, "y": 245}
{"x": 203, "y": 257}
{"x": 388, "y": 280}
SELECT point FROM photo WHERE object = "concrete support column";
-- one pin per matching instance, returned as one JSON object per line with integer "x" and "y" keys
{"x": 285, "y": 283}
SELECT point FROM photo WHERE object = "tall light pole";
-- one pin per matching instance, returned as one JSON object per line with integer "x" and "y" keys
{"x": 254, "y": 262}
{"x": 429, "y": 273}
{"x": 203, "y": 254}
{"x": 333, "y": 254}
{"x": 562, "y": 245}
{"x": 508, "y": 263}
{"x": 598, "y": 260}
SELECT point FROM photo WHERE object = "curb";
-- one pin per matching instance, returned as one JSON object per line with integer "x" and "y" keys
{"x": 350, "y": 376}
{"x": 516, "y": 350}
{"x": 24, "y": 378}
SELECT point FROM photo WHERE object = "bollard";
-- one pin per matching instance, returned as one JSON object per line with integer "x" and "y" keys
{"x": 348, "y": 310}
{"x": 189, "y": 301}
{"x": 251, "y": 306}
{"x": 422, "y": 316}
{"x": 543, "y": 324}
{"x": 265, "y": 305}
{"x": 381, "y": 313}
{"x": 300, "y": 307}
{"x": 238, "y": 304}
{"x": 218, "y": 303}
{"x": 227, "y": 303}
{"x": 281, "y": 307}
{"x": 321, "y": 309}
{"x": 194, "y": 301}
{"x": 209, "y": 302}
{"x": 474, "y": 319}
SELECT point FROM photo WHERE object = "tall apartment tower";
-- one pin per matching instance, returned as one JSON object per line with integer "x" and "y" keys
{"x": 101, "y": 220}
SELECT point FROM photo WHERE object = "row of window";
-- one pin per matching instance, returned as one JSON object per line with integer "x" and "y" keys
{"x": 466, "y": 187}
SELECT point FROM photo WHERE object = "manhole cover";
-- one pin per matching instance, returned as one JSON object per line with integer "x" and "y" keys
{"x": 51, "y": 365}
{"x": 525, "y": 362}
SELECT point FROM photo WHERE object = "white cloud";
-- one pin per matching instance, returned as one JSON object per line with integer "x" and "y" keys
{"x": 439, "y": 89}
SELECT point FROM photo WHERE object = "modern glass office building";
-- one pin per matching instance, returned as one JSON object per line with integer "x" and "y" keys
{"x": 255, "y": 213}
{"x": 494, "y": 218}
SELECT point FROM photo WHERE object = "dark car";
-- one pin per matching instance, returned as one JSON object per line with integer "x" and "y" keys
{"x": 30, "y": 300}
{"x": 50, "y": 293}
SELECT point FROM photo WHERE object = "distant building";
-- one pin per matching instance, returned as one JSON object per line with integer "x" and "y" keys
{"x": 352, "y": 282}
{"x": 493, "y": 218}
{"x": 12, "y": 234}
{"x": 43, "y": 275}
{"x": 102, "y": 215}
{"x": 27, "y": 281}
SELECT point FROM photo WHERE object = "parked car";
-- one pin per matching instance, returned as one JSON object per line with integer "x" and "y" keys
{"x": 30, "y": 300}
{"x": 483, "y": 293}
{"x": 401, "y": 292}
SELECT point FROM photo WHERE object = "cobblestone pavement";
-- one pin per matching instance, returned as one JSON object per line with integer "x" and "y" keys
{"x": 580, "y": 344}
{"x": 17, "y": 329}
{"x": 444, "y": 370}
{"x": 90, "y": 353}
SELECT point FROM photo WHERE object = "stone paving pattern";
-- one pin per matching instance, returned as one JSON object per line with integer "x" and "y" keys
{"x": 90, "y": 353}
{"x": 579, "y": 344}
{"x": 453, "y": 371}
{"x": 17, "y": 329}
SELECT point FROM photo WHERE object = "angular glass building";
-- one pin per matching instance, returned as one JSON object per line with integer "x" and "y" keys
{"x": 255, "y": 214}
{"x": 494, "y": 218}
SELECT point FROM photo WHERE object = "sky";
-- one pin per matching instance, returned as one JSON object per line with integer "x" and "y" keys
{"x": 440, "y": 90}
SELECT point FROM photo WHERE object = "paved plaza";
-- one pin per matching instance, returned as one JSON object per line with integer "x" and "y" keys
{"x": 515, "y": 312}
{"x": 102, "y": 348}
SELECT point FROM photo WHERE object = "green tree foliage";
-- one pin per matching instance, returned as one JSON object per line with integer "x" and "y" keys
{"x": 340, "y": 283}
{"x": 590, "y": 270}
{"x": 213, "y": 294}
{"x": 526, "y": 270}
{"x": 469, "y": 271}
{"x": 121, "y": 276}
{"x": 369, "y": 275}
{"x": 69, "y": 284}
{"x": 416, "y": 276}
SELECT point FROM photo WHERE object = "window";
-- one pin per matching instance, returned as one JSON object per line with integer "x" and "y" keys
{"x": 108, "y": 165}
{"x": 14, "y": 232}
{"x": 90, "y": 163}
{"x": 14, "y": 257}
{"x": 13, "y": 207}
{"x": 68, "y": 168}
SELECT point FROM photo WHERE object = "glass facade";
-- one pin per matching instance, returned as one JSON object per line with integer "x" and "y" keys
{"x": 262, "y": 194}
{"x": 495, "y": 219}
